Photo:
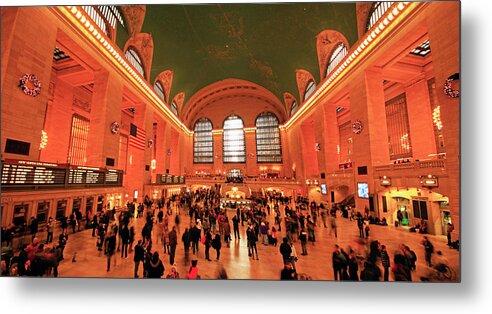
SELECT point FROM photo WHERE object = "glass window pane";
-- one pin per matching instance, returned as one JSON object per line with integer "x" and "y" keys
{"x": 268, "y": 145}
{"x": 203, "y": 151}
{"x": 233, "y": 138}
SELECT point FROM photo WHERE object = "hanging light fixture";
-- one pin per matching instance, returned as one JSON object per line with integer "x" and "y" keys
{"x": 44, "y": 139}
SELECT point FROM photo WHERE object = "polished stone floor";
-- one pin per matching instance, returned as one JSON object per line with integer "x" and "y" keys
{"x": 317, "y": 264}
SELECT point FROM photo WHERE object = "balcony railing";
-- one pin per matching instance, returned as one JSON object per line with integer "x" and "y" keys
{"x": 424, "y": 164}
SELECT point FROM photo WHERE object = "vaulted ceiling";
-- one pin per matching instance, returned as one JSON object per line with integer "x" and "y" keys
{"x": 261, "y": 43}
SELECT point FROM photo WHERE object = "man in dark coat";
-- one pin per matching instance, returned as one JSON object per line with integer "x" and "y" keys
{"x": 138, "y": 256}
{"x": 34, "y": 227}
{"x": 339, "y": 262}
{"x": 173, "y": 242}
{"x": 110, "y": 246}
{"x": 285, "y": 250}
{"x": 195, "y": 237}
{"x": 125, "y": 239}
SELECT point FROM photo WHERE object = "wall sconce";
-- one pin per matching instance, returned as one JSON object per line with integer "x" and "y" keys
{"x": 153, "y": 164}
{"x": 385, "y": 181}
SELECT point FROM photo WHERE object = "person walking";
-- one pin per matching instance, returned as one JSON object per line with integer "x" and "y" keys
{"x": 385, "y": 261}
{"x": 173, "y": 242}
{"x": 138, "y": 256}
{"x": 216, "y": 244}
{"x": 285, "y": 250}
{"x": 449, "y": 230}
{"x": 429, "y": 249}
{"x": 235, "y": 224}
{"x": 208, "y": 243}
{"x": 252, "y": 238}
{"x": 339, "y": 261}
{"x": 50, "y": 226}
{"x": 125, "y": 240}
{"x": 333, "y": 224}
{"x": 195, "y": 237}
{"x": 303, "y": 239}
{"x": 353, "y": 267}
{"x": 186, "y": 243}
{"x": 110, "y": 246}
{"x": 155, "y": 267}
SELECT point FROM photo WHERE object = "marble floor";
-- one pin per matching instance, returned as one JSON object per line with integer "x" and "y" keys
{"x": 317, "y": 264}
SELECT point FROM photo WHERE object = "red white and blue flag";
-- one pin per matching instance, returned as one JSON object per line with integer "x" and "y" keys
{"x": 137, "y": 137}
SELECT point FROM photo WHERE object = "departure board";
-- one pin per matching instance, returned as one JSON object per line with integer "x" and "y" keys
{"x": 170, "y": 179}
{"x": 19, "y": 173}
{"x": 85, "y": 175}
{"x": 32, "y": 173}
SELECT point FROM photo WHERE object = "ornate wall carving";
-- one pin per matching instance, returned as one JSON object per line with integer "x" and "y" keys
{"x": 144, "y": 44}
{"x": 302, "y": 78}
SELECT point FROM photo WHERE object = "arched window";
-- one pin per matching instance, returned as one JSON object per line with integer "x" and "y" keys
{"x": 338, "y": 54}
{"x": 311, "y": 86}
{"x": 268, "y": 146}
{"x": 293, "y": 108}
{"x": 234, "y": 144}
{"x": 159, "y": 89}
{"x": 105, "y": 17}
{"x": 132, "y": 55}
{"x": 203, "y": 144}
{"x": 174, "y": 108}
{"x": 377, "y": 10}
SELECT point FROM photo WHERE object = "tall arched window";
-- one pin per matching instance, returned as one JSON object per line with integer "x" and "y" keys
{"x": 234, "y": 144}
{"x": 338, "y": 54}
{"x": 132, "y": 55}
{"x": 311, "y": 86}
{"x": 174, "y": 108}
{"x": 268, "y": 146}
{"x": 159, "y": 89}
{"x": 377, "y": 10}
{"x": 203, "y": 145}
{"x": 293, "y": 108}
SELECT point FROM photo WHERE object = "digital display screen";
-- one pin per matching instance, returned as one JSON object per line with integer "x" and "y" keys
{"x": 363, "y": 190}
{"x": 25, "y": 173}
{"x": 323, "y": 189}
{"x": 32, "y": 173}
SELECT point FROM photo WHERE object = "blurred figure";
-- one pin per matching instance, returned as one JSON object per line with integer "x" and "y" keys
{"x": 450, "y": 229}
{"x": 155, "y": 268}
{"x": 50, "y": 226}
{"x": 193, "y": 271}
{"x": 385, "y": 261}
{"x": 288, "y": 273}
{"x": 429, "y": 249}
{"x": 173, "y": 274}
{"x": 138, "y": 256}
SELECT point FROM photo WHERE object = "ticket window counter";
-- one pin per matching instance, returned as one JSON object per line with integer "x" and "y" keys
{"x": 61, "y": 209}
{"x": 77, "y": 204}
{"x": 42, "y": 213}
{"x": 20, "y": 215}
{"x": 100, "y": 203}
{"x": 89, "y": 204}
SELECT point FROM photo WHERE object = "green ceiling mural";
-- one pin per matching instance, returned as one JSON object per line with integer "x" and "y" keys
{"x": 261, "y": 43}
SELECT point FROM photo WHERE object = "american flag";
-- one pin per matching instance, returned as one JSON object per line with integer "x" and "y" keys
{"x": 137, "y": 137}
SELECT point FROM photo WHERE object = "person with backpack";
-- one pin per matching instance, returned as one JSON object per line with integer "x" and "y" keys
{"x": 155, "y": 267}
{"x": 429, "y": 249}
{"x": 339, "y": 261}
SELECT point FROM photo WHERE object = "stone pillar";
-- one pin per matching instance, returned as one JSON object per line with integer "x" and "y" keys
{"x": 420, "y": 119}
{"x": 106, "y": 108}
{"x": 330, "y": 138}
{"x": 251, "y": 154}
{"x": 367, "y": 104}
{"x": 443, "y": 28}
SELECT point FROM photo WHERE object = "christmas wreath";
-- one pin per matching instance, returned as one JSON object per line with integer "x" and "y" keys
{"x": 35, "y": 82}
{"x": 448, "y": 89}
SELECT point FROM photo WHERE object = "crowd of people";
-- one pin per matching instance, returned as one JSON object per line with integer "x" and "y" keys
{"x": 269, "y": 217}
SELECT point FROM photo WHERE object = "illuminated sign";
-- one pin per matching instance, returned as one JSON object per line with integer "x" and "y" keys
{"x": 385, "y": 181}
{"x": 429, "y": 181}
